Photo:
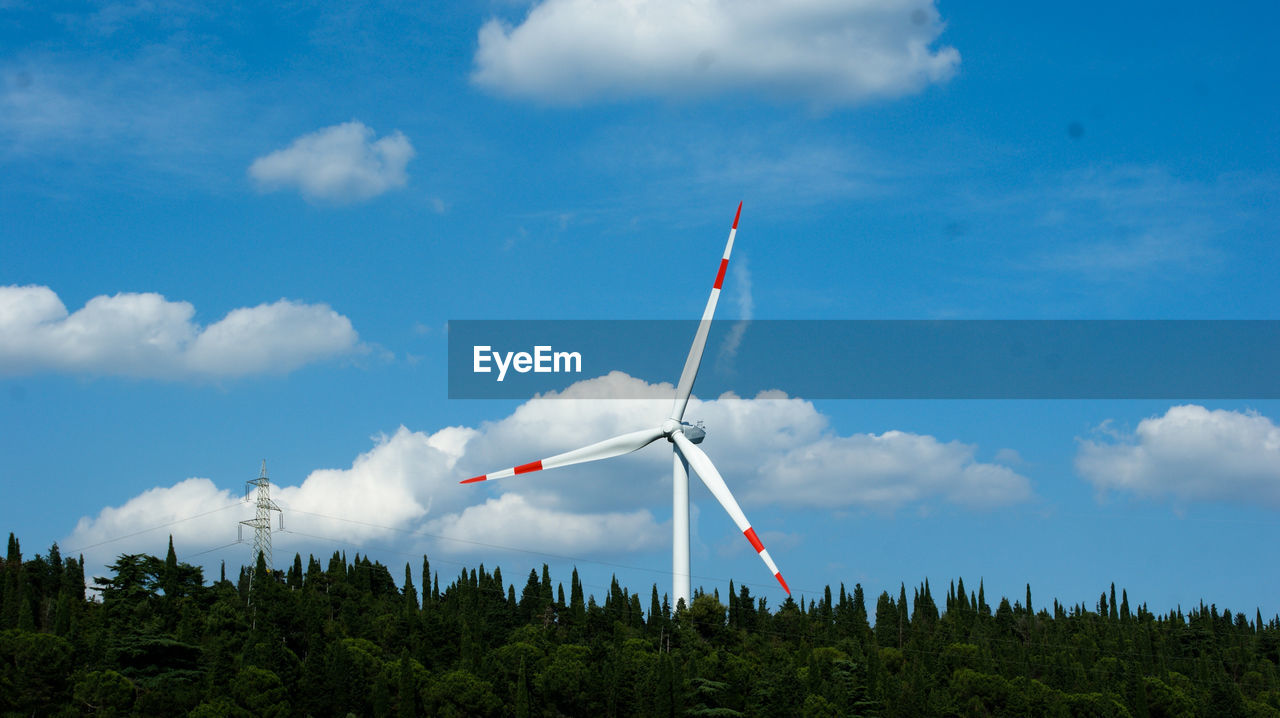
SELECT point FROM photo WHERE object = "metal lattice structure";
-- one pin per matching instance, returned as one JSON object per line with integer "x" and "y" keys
{"x": 261, "y": 522}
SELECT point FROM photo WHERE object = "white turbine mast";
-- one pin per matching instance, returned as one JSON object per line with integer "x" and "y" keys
{"x": 684, "y": 438}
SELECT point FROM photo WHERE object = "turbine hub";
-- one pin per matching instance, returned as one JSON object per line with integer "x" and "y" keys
{"x": 669, "y": 427}
{"x": 695, "y": 433}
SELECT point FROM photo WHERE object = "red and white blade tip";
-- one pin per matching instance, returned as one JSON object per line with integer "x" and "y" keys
{"x": 756, "y": 544}
{"x": 515, "y": 471}
{"x": 736, "y": 216}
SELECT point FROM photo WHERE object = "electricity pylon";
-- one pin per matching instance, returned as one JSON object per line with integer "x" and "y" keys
{"x": 261, "y": 522}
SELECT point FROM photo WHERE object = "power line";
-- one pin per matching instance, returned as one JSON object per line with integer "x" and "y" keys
{"x": 153, "y": 528}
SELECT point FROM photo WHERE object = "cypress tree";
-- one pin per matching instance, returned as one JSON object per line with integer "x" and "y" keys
{"x": 860, "y": 610}
{"x": 62, "y": 615}
{"x": 54, "y": 580}
{"x": 74, "y": 578}
{"x": 406, "y": 687}
{"x": 577, "y": 608}
{"x": 530, "y": 599}
{"x": 426, "y": 579}
{"x": 410, "y": 593}
{"x": 26, "y": 616}
{"x": 294, "y": 579}
{"x": 522, "y": 693}
{"x": 546, "y": 594}
{"x": 904, "y": 619}
{"x": 12, "y": 583}
{"x": 886, "y": 621}
{"x": 733, "y": 605}
{"x": 169, "y": 580}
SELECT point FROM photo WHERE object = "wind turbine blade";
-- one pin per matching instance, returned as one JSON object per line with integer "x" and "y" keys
{"x": 690, "y": 372}
{"x": 711, "y": 477}
{"x": 608, "y": 448}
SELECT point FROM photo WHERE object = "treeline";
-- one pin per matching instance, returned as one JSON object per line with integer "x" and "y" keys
{"x": 342, "y": 638}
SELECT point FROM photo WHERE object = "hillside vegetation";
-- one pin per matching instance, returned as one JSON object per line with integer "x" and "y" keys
{"x": 341, "y": 637}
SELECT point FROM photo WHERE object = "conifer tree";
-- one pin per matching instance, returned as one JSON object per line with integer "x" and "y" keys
{"x": 886, "y": 628}
{"x": 294, "y": 579}
{"x": 406, "y": 687}
{"x": 904, "y": 619}
{"x": 426, "y": 579}
{"x": 577, "y": 607}
{"x": 410, "y": 593}
{"x": 13, "y": 589}
{"x": 522, "y": 693}
{"x": 860, "y": 624}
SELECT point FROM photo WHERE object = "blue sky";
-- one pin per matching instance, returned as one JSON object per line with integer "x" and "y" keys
{"x": 239, "y": 233}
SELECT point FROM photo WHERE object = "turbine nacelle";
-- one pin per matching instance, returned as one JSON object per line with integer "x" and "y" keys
{"x": 695, "y": 433}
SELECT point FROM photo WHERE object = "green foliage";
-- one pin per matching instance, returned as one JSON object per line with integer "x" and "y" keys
{"x": 460, "y": 694}
{"x": 33, "y": 671}
{"x": 347, "y": 641}
{"x": 104, "y": 693}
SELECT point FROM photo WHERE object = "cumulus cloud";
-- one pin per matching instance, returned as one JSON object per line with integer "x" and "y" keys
{"x": 820, "y": 51}
{"x": 339, "y": 164}
{"x": 888, "y": 471}
{"x": 772, "y": 450}
{"x": 147, "y": 335}
{"x": 514, "y": 520}
{"x": 1189, "y": 454}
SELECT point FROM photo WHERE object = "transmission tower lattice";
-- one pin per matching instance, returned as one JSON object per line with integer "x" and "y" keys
{"x": 261, "y": 522}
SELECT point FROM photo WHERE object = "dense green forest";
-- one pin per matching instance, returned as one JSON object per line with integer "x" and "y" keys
{"x": 342, "y": 637}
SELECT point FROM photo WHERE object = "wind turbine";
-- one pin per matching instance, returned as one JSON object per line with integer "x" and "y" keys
{"x": 684, "y": 438}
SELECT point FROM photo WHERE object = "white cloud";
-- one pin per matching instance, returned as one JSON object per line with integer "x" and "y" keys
{"x": 819, "y": 51}
{"x": 339, "y": 164}
{"x": 146, "y": 335}
{"x": 512, "y": 520}
{"x": 1190, "y": 454}
{"x": 772, "y": 451}
{"x": 888, "y": 471}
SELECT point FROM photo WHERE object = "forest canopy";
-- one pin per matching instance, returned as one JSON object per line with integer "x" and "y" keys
{"x": 154, "y": 638}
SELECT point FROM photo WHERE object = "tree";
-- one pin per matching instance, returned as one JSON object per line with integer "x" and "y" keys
{"x": 460, "y": 694}
{"x": 886, "y": 628}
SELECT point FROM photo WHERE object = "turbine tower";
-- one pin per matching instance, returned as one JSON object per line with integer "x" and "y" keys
{"x": 261, "y": 522}
{"x": 684, "y": 438}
